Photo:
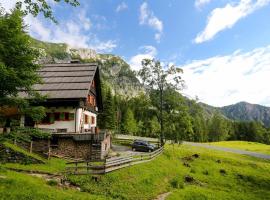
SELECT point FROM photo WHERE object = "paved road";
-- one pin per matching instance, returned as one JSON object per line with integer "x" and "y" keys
{"x": 124, "y": 150}
{"x": 243, "y": 152}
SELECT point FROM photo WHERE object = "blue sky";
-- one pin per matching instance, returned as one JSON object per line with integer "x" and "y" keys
{"x": 222, "y": 45}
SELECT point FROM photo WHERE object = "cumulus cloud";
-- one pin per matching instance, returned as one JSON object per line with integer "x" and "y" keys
{"x": 121, "y": 7}
{"x": 146, "y": 52}
{"x": 75, "y": 31}
{"x": 147, "y": 17}
{"x": 226, "y": 17}
{"x": 224, "y": 80}
{"x": 200, "y": 3}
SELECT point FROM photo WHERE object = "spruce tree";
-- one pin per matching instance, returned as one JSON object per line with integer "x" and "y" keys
{"x": 107, "y": 116}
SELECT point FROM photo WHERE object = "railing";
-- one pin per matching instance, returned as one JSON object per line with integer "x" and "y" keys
{"x": 111, "y": 164}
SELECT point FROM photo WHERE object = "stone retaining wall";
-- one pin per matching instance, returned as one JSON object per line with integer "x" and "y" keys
{"x": 8, "y": 155}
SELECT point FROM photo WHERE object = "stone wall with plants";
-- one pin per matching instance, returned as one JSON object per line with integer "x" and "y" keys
{"x": 9, "y": 155}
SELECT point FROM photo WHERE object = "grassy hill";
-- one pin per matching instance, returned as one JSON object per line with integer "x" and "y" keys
{"x": 213, "y": 175}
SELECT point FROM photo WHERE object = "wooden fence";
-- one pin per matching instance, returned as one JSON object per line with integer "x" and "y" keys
{"x": 110, "y": 164}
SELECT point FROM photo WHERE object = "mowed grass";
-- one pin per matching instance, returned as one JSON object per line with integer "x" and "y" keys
{"x": 14, "y": 186}
{"x": 243, "y": 145}
{"x": 53, "y": 166}
{"x": 217, "y": 175}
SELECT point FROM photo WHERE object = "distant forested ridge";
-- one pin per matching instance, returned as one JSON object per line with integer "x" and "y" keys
{"x": 131, "y": 109}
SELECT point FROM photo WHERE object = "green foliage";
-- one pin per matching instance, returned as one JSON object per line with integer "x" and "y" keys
{"x": 41, "y": 6}
{"x": 107, "y": 117}
{"x": 129, "y": 123}
{"x": 27, "y": 134}
{"x": 17, "y": 67}
{"x": 156, "y": 78}
{"x": 52, "y": 182}
{"x": 218, "y": 128}
{"x": 18, "y": 70}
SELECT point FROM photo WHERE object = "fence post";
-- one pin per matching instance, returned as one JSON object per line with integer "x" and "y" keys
{"x": 31, "y": 147}
{"x": 49, "y": 148}
{"x": 87, "y": 164}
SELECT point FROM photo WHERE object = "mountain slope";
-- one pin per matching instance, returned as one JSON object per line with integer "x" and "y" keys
{"x": 244, "y": 111}
{"x": 115, "y": 72}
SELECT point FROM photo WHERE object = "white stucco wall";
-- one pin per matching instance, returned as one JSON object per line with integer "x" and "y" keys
{"x": 72, "y": 126}
{"x": 90, "y": 115}
{"x": 69, "y": 125}
{"x": 78, "y": 119}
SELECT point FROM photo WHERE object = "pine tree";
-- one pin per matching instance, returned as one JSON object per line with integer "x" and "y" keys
{"x": 129, "y": 124}
{"x": 107, "y": 117}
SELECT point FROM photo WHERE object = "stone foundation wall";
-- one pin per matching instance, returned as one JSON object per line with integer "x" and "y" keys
{"x": 39, "y": 146}
{"x": 8, "y": 155}
{"x": 70, "y": 148}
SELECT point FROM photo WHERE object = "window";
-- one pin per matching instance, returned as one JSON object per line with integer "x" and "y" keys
{"x": 93, "y": 120}
{"x": 62, "y": 116}
{"x": 71, "y": 116}
{"x": 86, "y": 119}
{"x": 48, "y": 119}
{"x": 66, "y": 116}
{"x": 57, "y": 116}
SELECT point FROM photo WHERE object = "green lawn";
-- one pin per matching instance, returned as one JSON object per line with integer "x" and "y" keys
{"x": 217, "y": 175}
{"x": 14, "y": 186}
{"x": 249, "y": 146}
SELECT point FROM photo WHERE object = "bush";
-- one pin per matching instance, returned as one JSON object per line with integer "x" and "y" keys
{"x": 52, "y": 182}
{"x": 176, "y": 183}
{"x": 27, "y": 134}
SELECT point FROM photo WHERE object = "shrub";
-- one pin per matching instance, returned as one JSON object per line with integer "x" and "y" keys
{"x": 52, "y": 182}
{"x": 28, "y": 134}
{"x": 176, "y": 183}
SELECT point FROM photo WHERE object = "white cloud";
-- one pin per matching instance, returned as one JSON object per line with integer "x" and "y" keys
{"x": 76, "y": 33}
{"x": 147, "y": 17}
{"x": 225, "y": 18}
{"x": 200, "y": 3}
{"x": 121, "y": 7}
{"x": 224, "y": 80}
{"x": 148, "y": 52}
{"x": 7, "y": 4}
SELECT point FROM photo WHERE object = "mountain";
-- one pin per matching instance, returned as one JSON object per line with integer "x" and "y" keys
{"x": 115, "y": 72}
{"x": 244, "y": 111}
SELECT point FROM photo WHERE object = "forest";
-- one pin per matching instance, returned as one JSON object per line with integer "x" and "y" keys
{"x": 184, "y": 119}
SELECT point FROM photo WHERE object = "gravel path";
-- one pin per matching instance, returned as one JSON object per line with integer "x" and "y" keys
{"x": 243, "y": 152}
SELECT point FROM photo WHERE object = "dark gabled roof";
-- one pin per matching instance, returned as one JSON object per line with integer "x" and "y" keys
{"x": 66, "y": 81}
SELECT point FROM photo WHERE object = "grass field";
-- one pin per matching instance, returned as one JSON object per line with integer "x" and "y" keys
{"x": 213, "y": 175}
{"x": 248, "y": 146}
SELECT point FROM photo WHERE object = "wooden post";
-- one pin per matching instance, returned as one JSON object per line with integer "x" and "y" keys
{"x": 49, "y": 149}
{"x": 15, "y": 142}
{"x": 31, "y": 147}
{"x": 76, "y": 167}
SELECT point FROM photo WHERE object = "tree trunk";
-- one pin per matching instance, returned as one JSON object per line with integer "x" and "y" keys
{"x": 161, "y": 118}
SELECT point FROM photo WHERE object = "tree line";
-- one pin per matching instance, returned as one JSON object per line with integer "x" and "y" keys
{"x": 183, "y": 119}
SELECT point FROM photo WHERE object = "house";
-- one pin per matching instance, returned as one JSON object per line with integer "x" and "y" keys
{"x": 73, "y": 100}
